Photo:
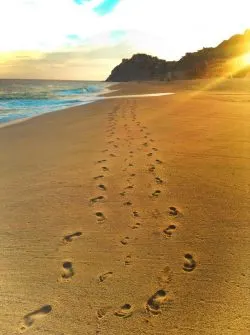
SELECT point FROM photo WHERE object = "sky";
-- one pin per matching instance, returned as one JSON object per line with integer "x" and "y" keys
{"x": 86, "y": 39}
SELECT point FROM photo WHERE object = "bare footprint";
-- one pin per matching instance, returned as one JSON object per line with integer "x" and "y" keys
{"x": 169, "y": 230}
{"x": 173, "y": 211}
{"x": 100, "y": 216}
{"x": 104, "y": 276}
{"x": 71, "y": 237}
{"x": 129, "y": 187}
{"x": 125, "y": 240}
{"x": 67, "y": 271}
{"x": 145, "y": 144}
{"x": 96, "y": 199}
{"x": 154, "y": 303}
{"x": 112, "y": 155}
{"x": 30, "y": 318}
{"x": 155, "y": 149}
{"x": 136, "y": 214}
{"x": 158, "y": 161}
{"x": 150, "y": 154}
{"x": 123, "y": 194}
{"x": 102, "y": 187}
{"x": 136, "y": 226}
{"x": 99, "y": 177}
{"x": 104, "y": 168}
{"x": 101, "y": 161}
{"x": 125, "y": 311}
{"x": 152, "y": 168}
{"x": 156, "y": 193}
{"x": 158, "y": 180}
{"x": 190, "y": 263}
{"x": 128, "y": 260}
{"x": 127, "y": 203}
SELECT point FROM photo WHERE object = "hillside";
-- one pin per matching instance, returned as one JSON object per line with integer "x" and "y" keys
{"x": 205, "y": 63}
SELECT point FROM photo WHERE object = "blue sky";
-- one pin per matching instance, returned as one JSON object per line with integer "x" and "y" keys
{"x": 85, "y": 39}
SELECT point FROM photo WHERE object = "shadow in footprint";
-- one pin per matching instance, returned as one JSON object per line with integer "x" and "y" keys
{"x": 100, "y": 216}
{"x": 67, "y": 270}
{"x": 102, "y": 187}
{"x": 154, "y": 303}
{"x": 105, "y": 276}
{"x": 156, "y": 193}
{"x": 96, "y": 199}
{"x": 127, "y": 203}
{"x": 30, "y": 318}
{"x": 190, "y": 263}
{"x": 125, "y": 240}
{"x": 158, "y": 180}
{"x": 104, "y": 168}
{"x": 173, "y": 211}
{"x": 71, "y": 237}
{"x": 158, "y": 161}
{"x": 125, "y": 311}
{"x": 169, "y": 230}
{"x": 99, "y": 177}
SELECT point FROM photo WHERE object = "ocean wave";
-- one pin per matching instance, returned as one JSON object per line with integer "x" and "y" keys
{"x": 79, "y": 91}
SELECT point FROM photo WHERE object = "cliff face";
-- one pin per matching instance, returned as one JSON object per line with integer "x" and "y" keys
{"x": 205, "y": 63}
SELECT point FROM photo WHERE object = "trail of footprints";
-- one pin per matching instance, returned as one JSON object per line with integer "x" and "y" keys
{"x": 154, "y": 303}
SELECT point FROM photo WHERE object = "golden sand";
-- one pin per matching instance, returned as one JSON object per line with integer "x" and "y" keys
{"x": 128, "y": 216}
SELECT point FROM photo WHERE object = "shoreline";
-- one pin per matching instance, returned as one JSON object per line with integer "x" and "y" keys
{"x": 125, "y": 213}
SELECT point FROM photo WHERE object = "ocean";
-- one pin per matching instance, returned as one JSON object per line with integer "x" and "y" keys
{"x": 20, "y": 99}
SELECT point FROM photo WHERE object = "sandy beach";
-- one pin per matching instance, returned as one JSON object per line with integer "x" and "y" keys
{"x": 129, "y": 216}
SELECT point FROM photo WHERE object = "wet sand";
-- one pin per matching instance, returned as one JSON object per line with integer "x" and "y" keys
{"x": 128, "y": 216}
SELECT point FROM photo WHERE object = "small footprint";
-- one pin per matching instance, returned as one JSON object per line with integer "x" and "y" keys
{"x": 100, "y": 216}
{"x": 136, "y": 214}
{"x": 130, "y": 164}
{"x": 125, "y": 240}
{"x": 122, "y": 194}
{"x": 96, "y": 199}
{"x": 30, "y": 318}
{"x": 158, "y": 180}
{"x": 128, "y": 260}
{"x": 71, "y": 237}
{"x": 104, "y": 168}
{"x": 125, "y": 311}
{"x": 190, "y": 263}
{"x": 173, "y": 211}
{"x": 169, "y": 230}
{"x": 68, "y": 271}
{"x": 156, "y": 193}
{"x": 129, "y": 187}
{"x": 151, "y": 169}
{"x": 102, "y": 312}
{"x": 127, "y": 203}
{"x": 136, "y": 226}
{"x": 105, "y": 276}
{"x": 102, "y": 187}
{"x": 158, "y": 161}
{"x": 155, "y": 149}
{"x": 99, "y": 177}
{"x": 145, "y": 144}
{"x": 112, "y": 155}
{"x": 154, "y": 303}
{"x": 101, "y": 161}
{"x": 150, "y": 154}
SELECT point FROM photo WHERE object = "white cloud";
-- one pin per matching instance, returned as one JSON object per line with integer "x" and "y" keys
{"x": 165, "y": 28}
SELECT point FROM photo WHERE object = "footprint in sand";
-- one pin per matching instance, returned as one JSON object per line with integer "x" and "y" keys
{"x": 100, "y": 216}
{"x": 71, "y": 237}
{"x": 149, "y": 154}
{"x": 169, "y": 230}
{"x": 190, "y": 263}
{"x": 158, "y": 180}
{"x": 135, "y": 214}
{"x": 123, "y": 194}
{"x": 102, "y": 187}
{"x": 173, "y": 211}
{"x": 156, "y": 193}
{"x": 125, "y": 240}
{"x": 102, "y": 312}
{"x": 130, "y": 164}
{"x": 145, "y": 144}
{"x": 154, "y": 303}
{"x": 155, "y": 149}
{"x": 104, "y": 168}
{"x": 158, "y": 161}
{"x": 112, "y": 155}
{"x": 104, "y": 276}
{"x": 127, "y": 203}
{"x": 67, "y": 271}
{"x": 136, "y": 226}
{"x": 101, "y": 161}
{"x": 128, "y": 260}
{"x": 129, "y": 187}
{"x": 30, "y": 318}
{"x": 98, "y": 177}
{"x": 152, "y": 168}
{"x": 97, "y": 199}
{"x": 125, "y": 311}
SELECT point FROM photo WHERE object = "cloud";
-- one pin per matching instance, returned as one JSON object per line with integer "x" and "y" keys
{"x": 108, "y": 30}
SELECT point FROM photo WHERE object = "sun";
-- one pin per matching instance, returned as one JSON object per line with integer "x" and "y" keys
{"x": 246, "y": 59}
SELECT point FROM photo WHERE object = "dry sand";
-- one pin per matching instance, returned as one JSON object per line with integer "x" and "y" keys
{"x": 128, "y": 216}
